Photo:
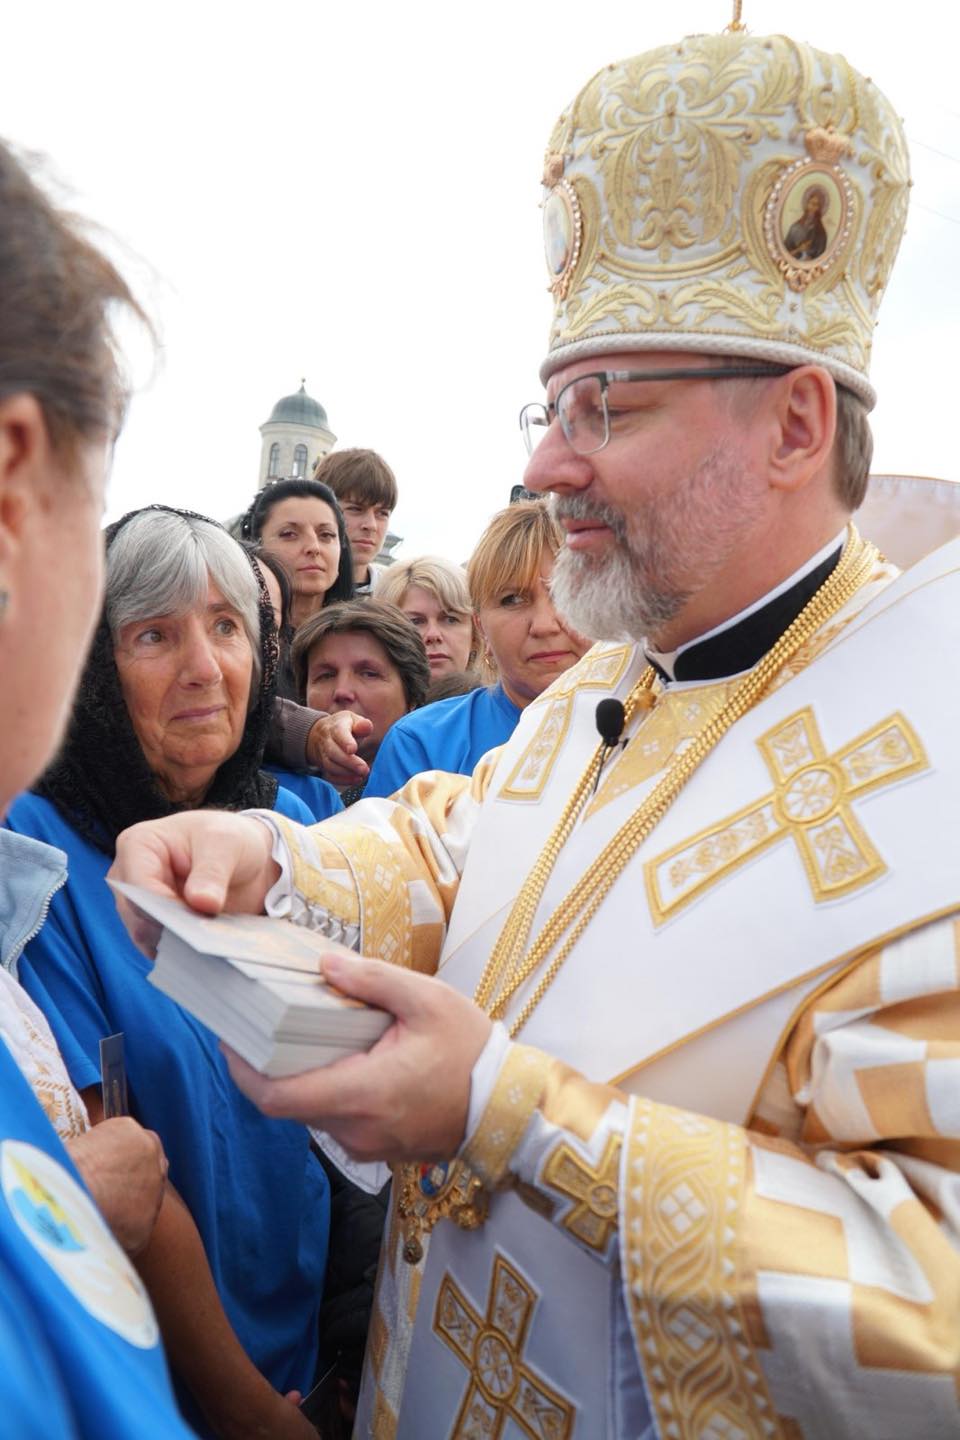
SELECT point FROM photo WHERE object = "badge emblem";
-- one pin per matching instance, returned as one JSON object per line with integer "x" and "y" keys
{"x": 437, "y": 1191}
{"x": 64, "y": 1226}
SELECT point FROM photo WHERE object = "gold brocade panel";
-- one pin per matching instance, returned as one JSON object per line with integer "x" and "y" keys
{"x": 684, "y": 1182}
{"x": 676, "y": 718}
{"x": 811, "y": 802}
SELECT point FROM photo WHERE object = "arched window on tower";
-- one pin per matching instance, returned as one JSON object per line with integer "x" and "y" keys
{"x": 273, "y": 468}
{"x": 300, "y": 463}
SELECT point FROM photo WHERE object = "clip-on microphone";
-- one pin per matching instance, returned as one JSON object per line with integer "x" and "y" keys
{"x": 611, "y": 718}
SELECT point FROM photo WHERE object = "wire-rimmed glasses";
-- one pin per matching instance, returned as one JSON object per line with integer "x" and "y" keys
{"x": 581, "y": 404}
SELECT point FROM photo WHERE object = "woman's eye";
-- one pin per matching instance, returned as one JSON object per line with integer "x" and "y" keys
{"x": 512, "y": 600}
{"x": 227, "y": 627}
{"x": 453, "y": 620}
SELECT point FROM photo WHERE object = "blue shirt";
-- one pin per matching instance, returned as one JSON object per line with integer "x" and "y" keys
{"x": 451, "y": 735}
{"x": 318, "y": 795}
{"x": 259, "y": 1198}
{"x": 80, "y": 1356}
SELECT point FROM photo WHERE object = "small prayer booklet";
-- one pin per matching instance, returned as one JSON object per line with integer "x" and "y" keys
{"x": 257, "y": 983}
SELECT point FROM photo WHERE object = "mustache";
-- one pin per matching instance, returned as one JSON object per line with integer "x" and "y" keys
{"x": 578, "y": 507}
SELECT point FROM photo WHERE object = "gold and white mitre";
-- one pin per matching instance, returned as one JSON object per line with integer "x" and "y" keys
{"x": 729, "y": 194}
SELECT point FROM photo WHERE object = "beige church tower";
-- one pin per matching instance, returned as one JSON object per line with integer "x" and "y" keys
{"x": 294, "y": 438}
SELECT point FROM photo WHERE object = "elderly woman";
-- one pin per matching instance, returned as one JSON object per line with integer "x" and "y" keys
{"x": 434, "y": 596}
{"x": 79, "y": 1350}
{"x": 365, "y": 657}
{"x": 172, "y": 711}
{"x": 509, "y": 576}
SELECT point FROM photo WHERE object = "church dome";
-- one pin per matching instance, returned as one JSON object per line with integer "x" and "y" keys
{"x": 299, "y": 409}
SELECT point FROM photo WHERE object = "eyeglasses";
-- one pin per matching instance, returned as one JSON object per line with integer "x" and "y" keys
{"x": 581, "y": 404}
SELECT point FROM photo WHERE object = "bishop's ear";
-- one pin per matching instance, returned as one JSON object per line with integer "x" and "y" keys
{"x": 804, "y": 419}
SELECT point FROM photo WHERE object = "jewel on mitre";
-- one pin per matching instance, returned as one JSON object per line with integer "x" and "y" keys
{"x": 553, "y": 163}
{"x": 826, "y": 144}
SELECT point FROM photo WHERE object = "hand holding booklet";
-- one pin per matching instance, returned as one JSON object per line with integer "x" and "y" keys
{"x": 258, "y": 984}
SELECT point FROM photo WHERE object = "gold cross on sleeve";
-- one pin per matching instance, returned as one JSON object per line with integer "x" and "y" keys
{"x": 593, "y": 1190}
{"x": 491, "y": 1347}
{"x": 811, "y": 803}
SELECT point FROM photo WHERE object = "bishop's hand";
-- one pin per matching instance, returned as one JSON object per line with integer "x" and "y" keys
{"x": 408, "y": 1097}
{"x": 211, "y": 859}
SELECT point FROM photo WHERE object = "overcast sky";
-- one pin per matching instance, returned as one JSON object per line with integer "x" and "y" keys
{"x": 350, "y": 193}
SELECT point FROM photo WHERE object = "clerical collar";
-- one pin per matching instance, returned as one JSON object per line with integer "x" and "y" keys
{"x": 738, "y": 643}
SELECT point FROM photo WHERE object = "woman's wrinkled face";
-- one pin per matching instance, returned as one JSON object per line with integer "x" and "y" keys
{"x": 353, "y": 671}
{"x": 186, "y": 681}
{"x": 446, "y": 635}
{"x": 529, "y": 642}
{"x": 302, "y": 533}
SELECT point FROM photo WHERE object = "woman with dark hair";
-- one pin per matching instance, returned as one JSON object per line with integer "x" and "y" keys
{"x": 79, "y": 1346}
{"x": 301, "y": 523}
{"x": 365, "y": 657}
{"x": 172, "y": 713}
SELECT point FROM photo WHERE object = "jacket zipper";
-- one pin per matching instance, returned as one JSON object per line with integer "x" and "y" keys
{"x": 14, "y": 959}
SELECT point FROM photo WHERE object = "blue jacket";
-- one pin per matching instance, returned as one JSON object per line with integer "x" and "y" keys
{"x": 80, "y": 1354}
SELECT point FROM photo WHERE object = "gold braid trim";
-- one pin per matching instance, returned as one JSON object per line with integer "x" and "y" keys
{"x": 684, "y": 1185}
{"x": 516, "y": 1096}
{"x": 515, "y": 960}
{"x": 313, "y": 855}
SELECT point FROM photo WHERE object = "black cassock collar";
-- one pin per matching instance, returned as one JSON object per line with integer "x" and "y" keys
{"x": 740, "y": 642}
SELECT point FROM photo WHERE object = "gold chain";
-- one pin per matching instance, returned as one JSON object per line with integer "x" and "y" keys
{"x": 509, "y": 967}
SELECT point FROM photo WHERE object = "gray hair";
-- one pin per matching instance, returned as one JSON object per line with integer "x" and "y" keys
{"x": 161, "y": 563}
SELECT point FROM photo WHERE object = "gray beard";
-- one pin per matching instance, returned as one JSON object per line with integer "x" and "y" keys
{"x": 664, "y": 551}
{"x": 615, "y": 596}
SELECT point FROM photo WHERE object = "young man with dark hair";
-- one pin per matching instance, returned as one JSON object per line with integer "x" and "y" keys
{"x": 366, "y": 488}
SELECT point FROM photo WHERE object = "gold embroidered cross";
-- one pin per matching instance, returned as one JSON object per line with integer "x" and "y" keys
{"x": 811, "y": 802}
{"x": 491, "y": 1347}
{"x": 593, "y": 1218}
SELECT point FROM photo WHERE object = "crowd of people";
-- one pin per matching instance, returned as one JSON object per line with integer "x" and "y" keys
{"x": 714, "y": 1191}
{"x": 263, "y": 668}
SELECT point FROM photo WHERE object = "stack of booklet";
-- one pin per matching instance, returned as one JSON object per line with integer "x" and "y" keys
{"x": 257, "y": 983}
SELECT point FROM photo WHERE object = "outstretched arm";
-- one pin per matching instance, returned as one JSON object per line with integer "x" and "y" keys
{"x": 383, "y": 875}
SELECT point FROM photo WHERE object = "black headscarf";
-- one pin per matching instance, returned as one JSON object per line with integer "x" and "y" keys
{"x": 100, "y": 781}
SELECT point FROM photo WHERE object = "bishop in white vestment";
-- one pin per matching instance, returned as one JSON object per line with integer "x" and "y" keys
{"x": 722, "y": 1157}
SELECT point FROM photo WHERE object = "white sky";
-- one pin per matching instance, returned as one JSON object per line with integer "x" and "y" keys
{"x": 350, "y": 193}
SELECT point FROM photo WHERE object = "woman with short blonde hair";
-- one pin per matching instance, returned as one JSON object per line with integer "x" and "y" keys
{"x": 524, "y": 639}
{"x": 434, "y": 596}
